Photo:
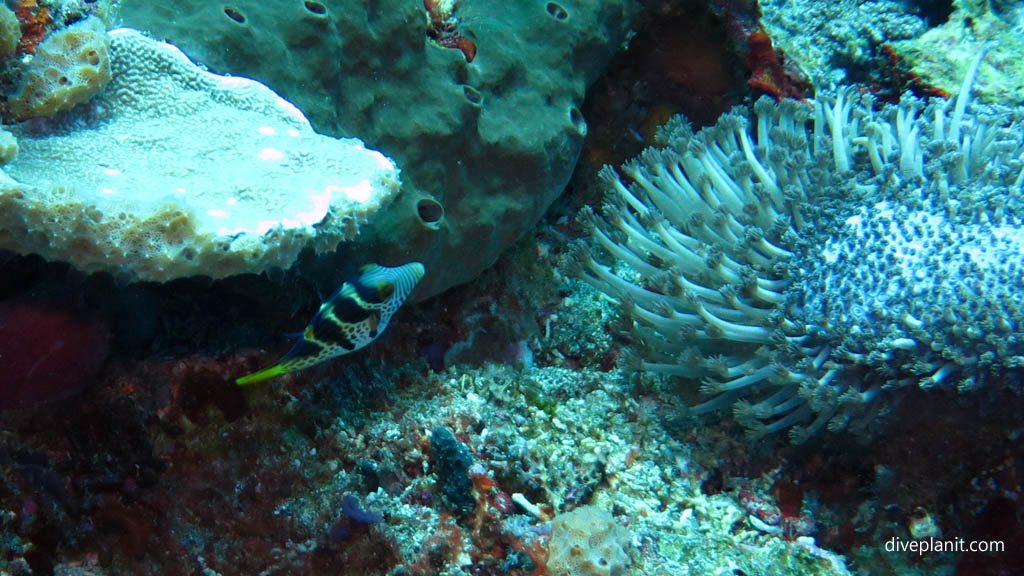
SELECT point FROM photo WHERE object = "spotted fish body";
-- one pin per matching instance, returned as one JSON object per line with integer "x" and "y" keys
{"x": 349, "y": 320}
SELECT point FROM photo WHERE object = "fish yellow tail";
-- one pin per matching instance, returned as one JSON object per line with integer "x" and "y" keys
{"x": 262, "y": 375}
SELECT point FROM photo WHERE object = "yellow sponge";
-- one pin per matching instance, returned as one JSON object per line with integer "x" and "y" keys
{"x": 70, "y": 67}
{"x": 587, "y": 542}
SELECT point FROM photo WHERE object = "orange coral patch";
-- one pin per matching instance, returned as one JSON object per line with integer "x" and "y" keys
{"x": 35, "y": 25}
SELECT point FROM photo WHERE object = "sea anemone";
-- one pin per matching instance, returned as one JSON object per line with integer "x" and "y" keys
{"x": 808, "y": 264}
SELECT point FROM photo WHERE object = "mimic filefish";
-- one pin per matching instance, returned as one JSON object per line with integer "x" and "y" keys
{"x": 349, "y": 320}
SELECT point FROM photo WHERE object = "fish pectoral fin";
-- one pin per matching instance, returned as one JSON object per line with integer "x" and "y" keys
{"x": 265, "y": 374}
{"x": 385, "y": 290}
{"x": 374, "y": 322}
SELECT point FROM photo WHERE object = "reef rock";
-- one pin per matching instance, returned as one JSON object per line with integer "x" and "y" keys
{"x": 942, "y": 55}
{"x": 479, "y": 102}
{"x": 173, "y": 171}
{"x": 834, "y": 42}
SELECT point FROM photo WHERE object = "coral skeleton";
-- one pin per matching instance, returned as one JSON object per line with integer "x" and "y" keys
{"x": 809, "y": 262}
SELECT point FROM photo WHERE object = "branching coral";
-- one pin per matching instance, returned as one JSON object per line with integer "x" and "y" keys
{"x": 807, "y": 262}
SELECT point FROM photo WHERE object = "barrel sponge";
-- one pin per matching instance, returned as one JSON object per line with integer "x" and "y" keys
{"x": 587, "y": 542}
{"x": 70, "y": 67}
{"x": 10, "y": 32}
{"x": 177, "y": 172}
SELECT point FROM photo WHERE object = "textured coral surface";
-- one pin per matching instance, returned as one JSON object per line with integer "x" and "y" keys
{"x": 492, "y": 140}
{"x": 501, "y": 428}
{"x": 198, "y": 174}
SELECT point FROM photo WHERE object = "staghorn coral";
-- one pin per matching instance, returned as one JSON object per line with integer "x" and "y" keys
{"x": 808, "y": 262}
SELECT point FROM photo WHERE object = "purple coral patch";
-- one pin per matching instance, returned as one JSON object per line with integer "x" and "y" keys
{"x": 351, "y": 509}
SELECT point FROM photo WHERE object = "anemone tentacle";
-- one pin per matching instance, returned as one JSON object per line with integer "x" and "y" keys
{"x": 807, "y": 261}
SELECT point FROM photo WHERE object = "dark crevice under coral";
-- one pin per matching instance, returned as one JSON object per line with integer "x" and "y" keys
{"x": 934, "y": 12}
{"x": 682, "y": 60}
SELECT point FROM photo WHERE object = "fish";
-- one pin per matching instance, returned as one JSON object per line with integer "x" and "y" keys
{"x": 354, "y": 316}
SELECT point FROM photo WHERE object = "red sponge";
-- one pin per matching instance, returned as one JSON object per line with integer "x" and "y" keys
{"x": 47, "y": 353}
